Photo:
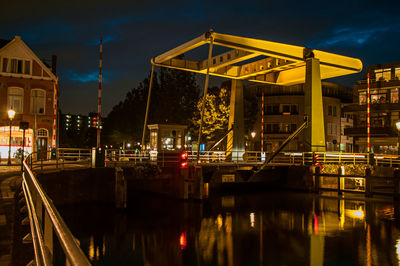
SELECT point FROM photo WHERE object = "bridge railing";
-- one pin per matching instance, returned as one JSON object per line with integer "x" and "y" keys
{"x": 115, "y": 155}
{"x": 60, "y": 157}
{"x": 45, "y": 221}
{"x": 302, "y": 158}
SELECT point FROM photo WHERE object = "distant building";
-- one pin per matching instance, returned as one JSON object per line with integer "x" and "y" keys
{"x": 29, "y": 87}
{"x": 284, "y": 113}
{"x": 385, "y": 108}
{"x": 78, "y": 130}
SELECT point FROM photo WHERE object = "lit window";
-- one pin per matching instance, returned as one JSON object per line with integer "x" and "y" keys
{"x": 38, "y": 98}
{"x": 382, "y": 74}
{"x": 397, "y": 73}
{"x": 15, "y": 99}
{"x": 42, "y": 132}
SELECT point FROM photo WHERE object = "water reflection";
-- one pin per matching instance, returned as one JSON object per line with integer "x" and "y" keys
{"x": 278, "y": 229}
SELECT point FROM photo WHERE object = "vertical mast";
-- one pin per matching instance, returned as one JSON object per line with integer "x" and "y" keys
{"x": 262, "y": 122}
{"x": 99, "y": 95}
{"x": 54, "y": 141}
{"x": 368, "y": 117}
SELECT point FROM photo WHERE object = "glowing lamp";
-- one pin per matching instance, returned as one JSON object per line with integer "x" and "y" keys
{"x": 11, "y": 114}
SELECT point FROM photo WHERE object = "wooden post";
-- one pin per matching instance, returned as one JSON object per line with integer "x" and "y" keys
{"x": 396, "y": 184}
{"x": 317, "y": 179}
{"x": 339, "y": 179}
{"x": 368, "y": 185}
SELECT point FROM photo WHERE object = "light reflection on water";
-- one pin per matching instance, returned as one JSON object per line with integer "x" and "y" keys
{"x": 274, "y": 229}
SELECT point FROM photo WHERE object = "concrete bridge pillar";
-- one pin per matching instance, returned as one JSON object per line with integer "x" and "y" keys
{"x": 235, "y": 142}
{"x": 314, "y": 135}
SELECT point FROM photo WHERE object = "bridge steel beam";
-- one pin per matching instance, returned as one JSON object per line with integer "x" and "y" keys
{"x": 314, "y": 135}
{"x": 235, "y": 141}
{"x": 280, "y": 64}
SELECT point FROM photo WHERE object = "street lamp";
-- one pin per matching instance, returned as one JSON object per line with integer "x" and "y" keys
{"x": 11, "y": 114}
{"x": 398, "y": 136}
{"x": 253, "y": 135}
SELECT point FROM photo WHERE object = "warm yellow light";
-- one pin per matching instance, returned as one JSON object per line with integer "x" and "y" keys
{"x": 398, "y": 125}
{"x": 252, "y": 219}
{"x": 11, "y": 113}
{"x": 219, "y": 221}
{"x": 355, "y": 214}
{"x": 343, "y": 171}
{"x": 253, "y": 134}
{"x": 398, "y": 249}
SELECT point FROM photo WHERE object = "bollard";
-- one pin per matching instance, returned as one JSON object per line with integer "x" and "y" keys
{"x": 368, "y": 183}
{"x": 93, "y": 157}
{"x": 396, "y": 184}
{"x": 120, "y": 188}
{"x": 317, "y": 179}
{"x": 339, "y": 183}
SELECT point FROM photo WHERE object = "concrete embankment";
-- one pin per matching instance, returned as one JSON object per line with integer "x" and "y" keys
{"x": 274, "y": 177}
{"x": 106, "y": 184}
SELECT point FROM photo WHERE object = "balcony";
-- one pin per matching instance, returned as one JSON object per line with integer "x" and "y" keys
{"x": 375, "y": 108}
{"x": 375, "y": 132}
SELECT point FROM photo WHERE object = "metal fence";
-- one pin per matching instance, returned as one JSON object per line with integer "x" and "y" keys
{"x": 45, "y": 221}
{"x": 60, "y": 158}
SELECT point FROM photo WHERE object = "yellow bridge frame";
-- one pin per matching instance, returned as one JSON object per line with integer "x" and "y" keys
{"x": 283, "y": 64}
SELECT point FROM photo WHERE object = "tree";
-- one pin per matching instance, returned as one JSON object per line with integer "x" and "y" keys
{"x": 173, "y": 100}
{"x": 216, "y": 113}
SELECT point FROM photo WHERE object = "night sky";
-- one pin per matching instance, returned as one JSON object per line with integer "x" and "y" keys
{"x": 135, "y": 31}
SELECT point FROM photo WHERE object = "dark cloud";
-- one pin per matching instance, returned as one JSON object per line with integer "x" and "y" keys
{"x": 134, "y": 31}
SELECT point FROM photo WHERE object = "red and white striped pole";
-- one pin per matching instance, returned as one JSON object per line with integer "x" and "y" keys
{"x": 368, "y": 117}
{"x": 99, "y": 95}
{"x": 54, "y": 141}
{"x": 262, "y": 122}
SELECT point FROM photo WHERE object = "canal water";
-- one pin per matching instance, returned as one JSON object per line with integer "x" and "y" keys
{"x": 272, "y": 228}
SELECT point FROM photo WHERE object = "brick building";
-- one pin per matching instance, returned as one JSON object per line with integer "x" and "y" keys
{"x": 385, "y": 108}
{"x": 284, "y": 113}
{"x": 29, "y": 87}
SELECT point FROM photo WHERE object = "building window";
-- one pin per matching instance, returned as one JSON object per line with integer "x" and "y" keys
{"x": 332, "y": 129}
{"x": 42, "y": 132}
{"x": 38, "y": 98}
{"x": 378, "y": 96}
{"x": 15, "y": 99}
{"x": 18, "y": 66}
{"x": 332, "y": 110}
{"x": 397, "y": 73}
{"x": 382, "y": 74}
{"x": 286, "y": 109}
{"x": 394, "y": 95}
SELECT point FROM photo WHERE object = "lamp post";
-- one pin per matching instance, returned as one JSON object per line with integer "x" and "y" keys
{"x": 398, "y": 136}
{"x": 253, "y": 135}
{"x": 11, "y": 114}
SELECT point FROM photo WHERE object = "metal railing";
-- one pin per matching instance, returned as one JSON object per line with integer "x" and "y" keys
{"x": 45, "y": 220}
{"x": 115, "y": 155}
{"x": 300, "y": 158}
{"x": 60, "y": 157}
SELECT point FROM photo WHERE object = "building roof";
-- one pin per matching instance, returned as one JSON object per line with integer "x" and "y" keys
{"x": 370, "y": 69}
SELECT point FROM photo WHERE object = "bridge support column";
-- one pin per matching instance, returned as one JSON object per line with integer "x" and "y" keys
{"x": 235, "y": 142}
{"x": 314, "y": 135}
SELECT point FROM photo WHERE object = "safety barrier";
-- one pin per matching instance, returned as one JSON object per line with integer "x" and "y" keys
{"x": 115, "y": 155}
{"x": 61, "y": 157}
{"x": 45, "y": 221}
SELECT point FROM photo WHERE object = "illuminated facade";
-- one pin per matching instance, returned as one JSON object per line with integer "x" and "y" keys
{"x": 29, "y": 87}
{"x": 284, "y": 113}
{"x": 385, "y": 108}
